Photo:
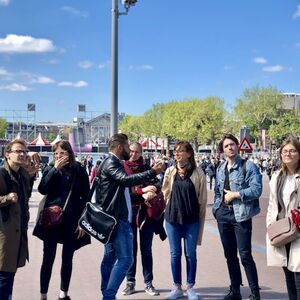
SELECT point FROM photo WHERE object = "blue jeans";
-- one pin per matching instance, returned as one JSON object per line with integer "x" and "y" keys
{"x": 118, "y": 257}
{"x": 146, "y": 237}
{"x": 6, "y": 285}
{"x": 189, "y": 233}
{"x": 237, "y": 236}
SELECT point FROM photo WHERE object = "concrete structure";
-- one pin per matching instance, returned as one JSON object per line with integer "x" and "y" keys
{"x": 291, "y": 101}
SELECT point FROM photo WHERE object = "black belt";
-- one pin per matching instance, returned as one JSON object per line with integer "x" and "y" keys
{"x": 228, "y": 206}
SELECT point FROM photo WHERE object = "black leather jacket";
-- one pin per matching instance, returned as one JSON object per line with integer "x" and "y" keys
{"x": 111, "y": 185}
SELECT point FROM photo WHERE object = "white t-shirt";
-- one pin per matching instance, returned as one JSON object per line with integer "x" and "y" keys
{"x": 288, "y": 187}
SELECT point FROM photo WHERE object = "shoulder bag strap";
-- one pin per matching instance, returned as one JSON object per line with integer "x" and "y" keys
{"x": 70, "y": 192}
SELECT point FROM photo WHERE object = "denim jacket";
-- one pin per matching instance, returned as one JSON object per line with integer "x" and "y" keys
{"x": 249, "y": 186}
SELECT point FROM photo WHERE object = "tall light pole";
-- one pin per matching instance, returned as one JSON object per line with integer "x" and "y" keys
{"x": 114, "y": 60}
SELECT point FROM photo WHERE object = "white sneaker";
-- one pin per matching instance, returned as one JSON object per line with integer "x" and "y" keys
{"x": 174, "y": 294}
{"x": 191, "y": 294}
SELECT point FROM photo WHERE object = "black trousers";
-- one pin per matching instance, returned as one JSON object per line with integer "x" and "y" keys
{"x": 50, "y": 247}
{"x": 292, "y": 280}
{"x": 236, "y": 236}
{"x": 6, "y": 285}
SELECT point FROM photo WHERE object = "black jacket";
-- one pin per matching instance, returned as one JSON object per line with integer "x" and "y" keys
{"x": 111, "y": 185}
{"x": 56, "y": 185}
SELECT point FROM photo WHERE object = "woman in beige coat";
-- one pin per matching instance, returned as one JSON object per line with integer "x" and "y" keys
{"x": 184, "y": 189}
{"x": 285, "y": 196}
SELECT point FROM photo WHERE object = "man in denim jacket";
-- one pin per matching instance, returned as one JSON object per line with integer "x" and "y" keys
{"x": 238, "y": 187}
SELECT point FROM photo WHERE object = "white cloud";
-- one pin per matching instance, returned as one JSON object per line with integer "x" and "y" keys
{"x": 75, "y": 12}
{"x": 3, "y": 72}
{"x": 15, "y": 87}
{"x": 297, "y": 13}
{"x": 145, "y": 67}
{"x": 53, "y": 61}
{"x": 86, "y": 64}
{"x": 78, "y": 84}
{"x": 227, "y": 67}
{"x": 104, "y": 65}
{"x": 4, "y": 2}
{"x": 259, "y": 60}
{"x": 273, "y": 69}
{"x": 25, "y": 44}
{"x": 42, "y": 80}
{"x": 141, "y": 68}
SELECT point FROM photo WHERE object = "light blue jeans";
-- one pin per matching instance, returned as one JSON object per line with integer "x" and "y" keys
{"x": 118, "y": 257}
{"x": 189, "y": 233}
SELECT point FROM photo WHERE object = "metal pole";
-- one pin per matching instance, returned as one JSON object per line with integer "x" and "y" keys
{"x": 114, "y": 68}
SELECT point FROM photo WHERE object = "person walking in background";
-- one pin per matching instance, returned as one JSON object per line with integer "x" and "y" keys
{"x": 285, "y": 196}
{"x": 15, "y": 191}
{"x": 113, "y": 183}
{"x": 211, "y": 170}
{"x": 237, "y": 189}
{"x": 62, "y": 177}
{"x": 146, "y": 225}
{"x": 185, "y": 193}
{"x": 95, "y": 171}
{"x": 89, "y": 164}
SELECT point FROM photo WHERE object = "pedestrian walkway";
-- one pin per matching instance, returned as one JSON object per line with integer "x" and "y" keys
{"x": 211, "y": 281}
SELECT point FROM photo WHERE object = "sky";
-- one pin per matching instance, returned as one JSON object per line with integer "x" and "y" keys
{"x": 56, "y": 54}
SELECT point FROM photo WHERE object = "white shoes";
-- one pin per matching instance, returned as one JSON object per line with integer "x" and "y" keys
{"x": 191, "y": 294}
{"x": 174, "y": 294}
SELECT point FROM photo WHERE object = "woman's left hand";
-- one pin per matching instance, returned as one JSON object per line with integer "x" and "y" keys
{"x": 80, "y": 232}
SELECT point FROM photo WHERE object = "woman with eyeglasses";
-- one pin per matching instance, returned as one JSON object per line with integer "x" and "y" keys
{"x": 62, "y": 177}
{"x": 185, "y": 193}
{"x": 285, "y": 196}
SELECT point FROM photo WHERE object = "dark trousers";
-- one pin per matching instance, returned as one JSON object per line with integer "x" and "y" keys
{"x": 292, "y": 279}
{"x": 6, "y": 285}
{"x": 48, "y": 260}
{"x": 211, "y": 179}
{"x": 237, "y": 236}
{"x": 146, "y": 237}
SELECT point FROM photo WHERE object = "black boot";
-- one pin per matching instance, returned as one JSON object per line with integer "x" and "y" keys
{"x": 255, "y": 295}
{"x": 234, "y": 293}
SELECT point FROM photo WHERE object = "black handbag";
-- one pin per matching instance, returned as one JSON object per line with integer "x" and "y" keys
{"x": 95, "y": 221}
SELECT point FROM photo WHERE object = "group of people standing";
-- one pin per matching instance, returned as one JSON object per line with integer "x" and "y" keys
{"x": 124, "y": 176}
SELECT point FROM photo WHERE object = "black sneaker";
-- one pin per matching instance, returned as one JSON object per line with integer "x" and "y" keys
{"x": 254, "y": 296}
{"x": 129, "y": 289}
{"x": 150, "y": 289}
{"x": 233, "y": 294}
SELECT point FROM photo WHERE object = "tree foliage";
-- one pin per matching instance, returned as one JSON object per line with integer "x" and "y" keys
{"x": 132, "y": 126}
{"x": 3, "y": 127}
{"x": 288, "y": 123}
{"x": 257, "y": 107}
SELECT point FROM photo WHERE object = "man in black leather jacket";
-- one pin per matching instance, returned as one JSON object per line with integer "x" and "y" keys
{"x": 113, "y": 185}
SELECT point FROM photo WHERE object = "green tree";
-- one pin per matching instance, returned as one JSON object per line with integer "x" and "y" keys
{"x": 132, "y": 126}
{"x": 257, "y": 107}
{"x": 3, "y": 127}
{"x": 286, "y": 124}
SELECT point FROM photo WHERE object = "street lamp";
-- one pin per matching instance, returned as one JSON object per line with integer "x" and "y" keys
{"x": 114, "y": 59}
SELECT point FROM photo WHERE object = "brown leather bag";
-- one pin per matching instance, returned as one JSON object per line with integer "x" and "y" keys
{"x": 282, "y": 232}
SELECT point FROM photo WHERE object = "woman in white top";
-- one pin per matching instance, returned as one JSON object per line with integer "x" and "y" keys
{"x": 285, "y": 196}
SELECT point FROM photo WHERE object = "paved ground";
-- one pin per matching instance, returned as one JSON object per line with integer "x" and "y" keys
{"x": 212, "y": 277}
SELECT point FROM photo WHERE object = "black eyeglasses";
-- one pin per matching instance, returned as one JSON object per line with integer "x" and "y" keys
{"x": 19, "y": 151}
{"x": 291, "y": 151}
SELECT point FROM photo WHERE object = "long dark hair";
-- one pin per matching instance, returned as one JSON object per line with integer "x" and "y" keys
{"x": 293, "y": 141}
{"x": 186, "y": 146}
{"x": 65, "y": 145}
